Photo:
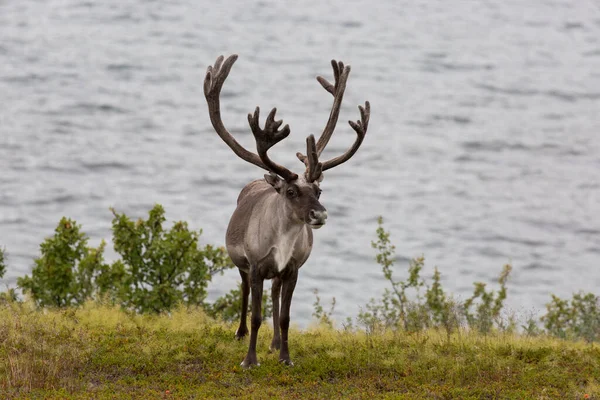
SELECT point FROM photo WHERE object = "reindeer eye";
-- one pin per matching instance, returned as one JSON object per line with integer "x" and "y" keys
{"x": 319, "y": 193}
{"x": 291, "y": 193}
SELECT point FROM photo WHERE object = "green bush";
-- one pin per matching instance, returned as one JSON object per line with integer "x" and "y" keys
{"x": 319, "y": 313}
{"x": 403, "y": 306}
{"x": 444, "y": 312}
{"x": 2, "y": 263}
{"x": 394, "y": 310}
{"x": 65, "y": 273}
{"x": 579, "y": 319}
{"x": 160, "y": 268}
{"x": 489, "y": 305}
{"x": 10, "y": 294}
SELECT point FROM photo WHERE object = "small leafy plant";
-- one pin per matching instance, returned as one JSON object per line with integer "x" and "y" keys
{"x": 577, "y": 319}
{"x": 65, "y": 274}
{"x": 324, "y": 317}
{"x": 488, "y": 308}
{"x": 405, "y": 307}
{"x": 160, "y": 268}
{"x": 444, "y": 312}
{"x": 10, "y": 295}
{"x": 2, "y": 263}
{"x": 395, "y": 309}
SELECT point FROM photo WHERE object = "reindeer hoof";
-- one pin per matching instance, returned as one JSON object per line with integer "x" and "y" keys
{"x": 287, "y": 362}
{"x": 241, "y": 333}
{"x": 249, "y": 364}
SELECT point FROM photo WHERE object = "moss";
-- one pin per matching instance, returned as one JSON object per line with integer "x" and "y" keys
{"x": 101, "y": 352}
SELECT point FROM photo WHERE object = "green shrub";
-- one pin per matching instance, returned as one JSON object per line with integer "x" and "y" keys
{"x": 10, "y": 294}
{"x": 488, "y": 307}
{"x": 579, "y": 319}
{"x": 2, "y": 263}
{"x": 444, "y": 312}
{"x": 158, "y": 268}
{"x": 161, "y": 268}
{"x": 324, "y": 317}
{"x": 403, "y": 306}
{"x": 65, "y": 273}
{"x": 530, "y": 327}
{"x": 394, "y": 309}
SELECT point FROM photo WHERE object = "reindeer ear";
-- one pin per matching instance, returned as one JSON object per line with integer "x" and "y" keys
{"x": 274, "y": 181}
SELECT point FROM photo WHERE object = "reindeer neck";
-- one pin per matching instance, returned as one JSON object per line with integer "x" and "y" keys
{"x": 283, "y": 221}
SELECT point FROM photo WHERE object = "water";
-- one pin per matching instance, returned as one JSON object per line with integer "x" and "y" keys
{"x": 483, "y": 147}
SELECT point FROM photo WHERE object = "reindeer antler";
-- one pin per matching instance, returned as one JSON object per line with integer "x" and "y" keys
{"x": 360, "y": 127}
{"x": 213, "y": 83}
{"x": 267, "y": 138}
{"x": 314, "y": 167}
{"x": 340, "y": 74}
{"x": 270, "y": 135}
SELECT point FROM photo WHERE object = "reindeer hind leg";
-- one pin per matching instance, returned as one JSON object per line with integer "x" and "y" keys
{"x": 289, "y": 283}
{"x": 256, "y": 283}
{"x": 243, "y": 328}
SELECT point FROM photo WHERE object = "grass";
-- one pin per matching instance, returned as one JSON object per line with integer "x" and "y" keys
{"x": 101, "y": 352}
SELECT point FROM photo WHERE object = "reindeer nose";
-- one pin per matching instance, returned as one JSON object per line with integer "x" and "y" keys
{"x": 320, "y": 216}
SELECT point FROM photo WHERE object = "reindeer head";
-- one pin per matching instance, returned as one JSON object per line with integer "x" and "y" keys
{"x": 300, "y": 193}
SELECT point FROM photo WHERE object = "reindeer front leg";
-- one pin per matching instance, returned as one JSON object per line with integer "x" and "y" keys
{"x": 289, "y": 283}
{"x": 256, "y": 283}
{"x": 275, "y": 295}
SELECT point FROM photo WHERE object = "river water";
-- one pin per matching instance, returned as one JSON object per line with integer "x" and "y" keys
{"x": 483, "y": 147}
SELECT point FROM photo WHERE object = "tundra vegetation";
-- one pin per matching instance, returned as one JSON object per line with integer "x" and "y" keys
{"x": 141, "y": 327}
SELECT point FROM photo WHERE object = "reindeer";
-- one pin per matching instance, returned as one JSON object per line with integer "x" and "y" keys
{"x": 270, "y": 232}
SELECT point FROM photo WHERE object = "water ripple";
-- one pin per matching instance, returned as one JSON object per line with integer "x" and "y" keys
{"x": 483, "y": 144}
{"x": 87, "y": 108}
{"x": 102, "y": 166}
{"x": 554, "y": 93}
